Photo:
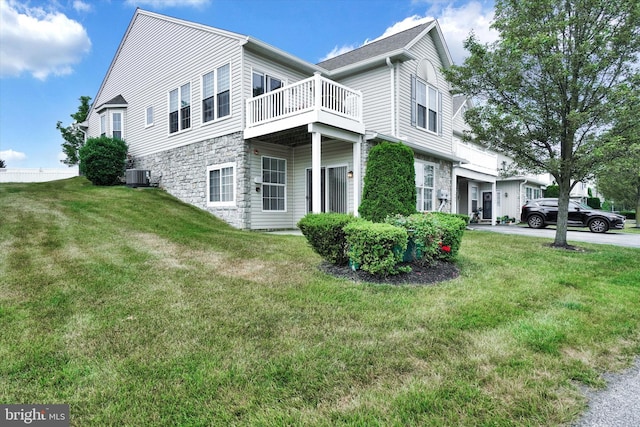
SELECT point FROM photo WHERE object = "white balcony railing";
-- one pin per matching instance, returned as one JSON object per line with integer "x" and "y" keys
{"x": 313, "y": 94}
{"x": 479, "y": 159}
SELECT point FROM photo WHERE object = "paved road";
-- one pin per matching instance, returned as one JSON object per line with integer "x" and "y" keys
{"x": 611, "y": 238}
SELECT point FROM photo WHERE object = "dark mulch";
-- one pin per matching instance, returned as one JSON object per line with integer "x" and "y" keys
{"x": 419, "y": 275}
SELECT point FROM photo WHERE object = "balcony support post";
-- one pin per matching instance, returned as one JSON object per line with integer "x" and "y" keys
{"x": 316, "y": 165}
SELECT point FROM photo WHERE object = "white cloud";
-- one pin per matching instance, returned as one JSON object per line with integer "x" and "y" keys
{"x": 39, "y": 42}
{"x": 81, "y": 6}
{"x": 11, "y": 155}
{"x": 456, "y": 24}
{"x": 161, "y": 4}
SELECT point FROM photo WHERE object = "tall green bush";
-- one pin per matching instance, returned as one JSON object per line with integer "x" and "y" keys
{"x": 102, "y": 160}
{"x": 389, "y": 182}
{"x": 325, "y": 234}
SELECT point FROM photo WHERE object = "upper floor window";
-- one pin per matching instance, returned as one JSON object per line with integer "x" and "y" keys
{"x": 263, "y": 83}
{"x": 148, "y": 118}
{"x": 103, "y": 125}
{"x": 216, "y": 99}
{"x": 426, "y": 108}
{"x": 180, "y": 108}
{"x": 425, "y": 182}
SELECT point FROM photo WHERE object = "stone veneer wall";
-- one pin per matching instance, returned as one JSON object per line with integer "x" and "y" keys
{"x": 443, "y": 177}
{"x": 182, "y": 172}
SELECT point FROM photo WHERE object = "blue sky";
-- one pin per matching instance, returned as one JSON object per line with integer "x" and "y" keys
{"x": 54, "y": 51}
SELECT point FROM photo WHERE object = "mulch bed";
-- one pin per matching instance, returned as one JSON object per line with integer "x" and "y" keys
{"x": 419, "y": 275}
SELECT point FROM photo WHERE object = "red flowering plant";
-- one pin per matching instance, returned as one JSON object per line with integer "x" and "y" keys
{"x": 445, "y": 248}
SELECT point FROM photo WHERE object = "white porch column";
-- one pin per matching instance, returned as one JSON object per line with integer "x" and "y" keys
{"x": 454, "y": 190}
{"x": 357, "y": 147}
{"x": 316, "y": 165}
{"x": 494, "y": 203}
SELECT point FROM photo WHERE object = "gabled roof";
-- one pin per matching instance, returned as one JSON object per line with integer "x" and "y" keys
{"x": 118, "y": 101}
{"x": 374, "y": 49}
{"x": 395, "y": 48}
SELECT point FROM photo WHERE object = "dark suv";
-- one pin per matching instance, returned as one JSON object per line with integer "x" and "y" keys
{"x": 541, "y": 212}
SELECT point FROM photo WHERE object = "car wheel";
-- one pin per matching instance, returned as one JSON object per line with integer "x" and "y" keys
{"x": 598, "y": 225}
{"x": 535, "y": 221}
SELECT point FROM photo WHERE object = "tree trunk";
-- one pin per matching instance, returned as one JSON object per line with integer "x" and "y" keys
{"x": 564, "y": 187}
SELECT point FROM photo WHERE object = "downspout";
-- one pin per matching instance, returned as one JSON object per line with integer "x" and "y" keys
{"x": 522, "y": 184}
{"x": 393, "y": 95}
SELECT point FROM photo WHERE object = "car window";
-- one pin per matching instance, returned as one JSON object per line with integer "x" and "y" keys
{"x": 549, "y": 203}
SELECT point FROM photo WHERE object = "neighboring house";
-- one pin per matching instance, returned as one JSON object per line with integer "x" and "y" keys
{"x": 259, "y": 137}
{"x": 481, "y": 184}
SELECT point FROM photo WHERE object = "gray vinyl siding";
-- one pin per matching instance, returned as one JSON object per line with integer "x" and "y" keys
{"x": 511, "y": 204}
{"x": 375, "y": 86}
{"x": 156, "y": 57}
{"x": 424, "y": 49}
{"x": 258, "y": 63}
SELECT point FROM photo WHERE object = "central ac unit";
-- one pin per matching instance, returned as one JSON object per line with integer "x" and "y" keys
{"x": 138, "y": 177}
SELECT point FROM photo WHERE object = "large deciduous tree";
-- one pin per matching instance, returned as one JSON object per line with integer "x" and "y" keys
{"x": 549, "y": 89}
{"x": 73, "y": 136}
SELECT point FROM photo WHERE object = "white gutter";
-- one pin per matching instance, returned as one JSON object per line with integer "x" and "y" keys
{"x": 393, "y": 95}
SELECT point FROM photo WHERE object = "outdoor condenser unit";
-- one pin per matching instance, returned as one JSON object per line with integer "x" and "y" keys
{"x": 138, "y": 177}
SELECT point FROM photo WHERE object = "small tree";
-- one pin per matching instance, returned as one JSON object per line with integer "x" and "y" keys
{"x": 102, "y": 160}
{"x": 389, "y": 183}
{"x": 2, "y": 164}
{"x": 72, "y": 134}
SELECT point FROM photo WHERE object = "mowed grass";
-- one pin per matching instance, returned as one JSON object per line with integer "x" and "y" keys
{"x": 137, "y": 309}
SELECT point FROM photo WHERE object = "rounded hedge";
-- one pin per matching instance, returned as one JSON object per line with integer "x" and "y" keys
{"x": 102, "y": 160}
{"x": 389, "y": 182}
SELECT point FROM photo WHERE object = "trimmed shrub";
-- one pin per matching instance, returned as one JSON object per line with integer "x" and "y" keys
{"x": 102, "y": 160}
{"x": 325, "y": 234}
{"x": 389, "y": 182}
{"x": 552, "y": 191}
{"x": 629, "y": 214}
{"x": 423, "y": 236}
{"x": 593, "y": 202}
{"x": 376, "y": 247}
{"x": 451, "y": 228}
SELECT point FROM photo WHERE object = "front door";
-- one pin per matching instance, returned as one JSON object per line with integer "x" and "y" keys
{"x": 487, "y": 202}
{"x": 333, "y": 188}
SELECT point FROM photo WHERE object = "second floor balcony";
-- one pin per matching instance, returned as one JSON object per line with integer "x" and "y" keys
{"x": 479, "y": 160}
{"x": 313, "y": 100}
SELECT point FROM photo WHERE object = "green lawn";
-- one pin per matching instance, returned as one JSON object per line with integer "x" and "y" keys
{"x": 137, "y": 309}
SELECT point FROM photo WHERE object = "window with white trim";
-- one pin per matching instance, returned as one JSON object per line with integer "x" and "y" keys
{"x": 221, "y": 184}
{"x": 216, "y": 99}
{"x": 533, "y": 193}
{"x": 425, "y": 182}
{"x": 426, "y": 108}
{"x": 103, "y": 125}
{"x": 180, "y": 108}
{"x": 274, "y": 173}
{"x": 116, "y": 125}
{"x": 263, "y": 83}
{"x": 148, "y": 117}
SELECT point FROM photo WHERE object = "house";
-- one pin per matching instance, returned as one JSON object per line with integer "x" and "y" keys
{"x": 485, "y": 182}
{"x": 259, "y": 137}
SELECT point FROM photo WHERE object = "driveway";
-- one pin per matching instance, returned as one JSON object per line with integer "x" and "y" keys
{"x": 618, "y": 239}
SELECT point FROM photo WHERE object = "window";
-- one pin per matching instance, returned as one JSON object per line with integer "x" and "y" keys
{"x": 263, "y": 83}
{"x": 533, "y": 193}
{"x": 148, "y": 118}
{"x": 216, "y": 101}
{"x": 425, "y": 179}
{"x": 180, "y": 108}
{"x": 116, "y": 125}
{"x": 221, "y": 185}
{"x": 103, "y": 125}
{"x": 426, "y": 109}
{"x": 274, "y": 173}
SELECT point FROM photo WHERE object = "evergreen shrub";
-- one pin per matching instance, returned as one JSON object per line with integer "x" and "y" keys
{"x": 389, "y": 183}
{"x": 325, "y": 234}
{"x": 377, "y": 248}
{"x": 593, "y": 202}
{"x": 102, "y": 160}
